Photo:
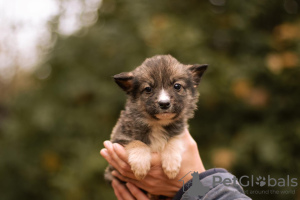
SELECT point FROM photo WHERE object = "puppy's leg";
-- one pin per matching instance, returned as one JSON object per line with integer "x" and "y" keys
{"x": 139, "y": 157}
{"x": 171, "y": 157}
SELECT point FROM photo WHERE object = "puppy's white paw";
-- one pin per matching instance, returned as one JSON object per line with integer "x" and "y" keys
{"x": 140, "y": 169}
{"x": 171, "y": 166}
{"x": 139, "y": 159}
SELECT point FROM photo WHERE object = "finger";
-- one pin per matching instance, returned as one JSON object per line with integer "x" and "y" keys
{"x": 109, "y": 159}
{"x": 115, "y": 157}
{"x": 143, "y": 184}
{"x": 136, "y": 192}
{"x": 126, "y": 171}
{"x": 116, "y": 190}
{"x": 107, "y": 156}
{"x": 122, "y": 191}
{"x": 155, "y": 159}
{"x": 121, "y": 152}
{"x": 109, "y": 146}
{"x": 104, "y": 153}
{"x": 131, "y": 179}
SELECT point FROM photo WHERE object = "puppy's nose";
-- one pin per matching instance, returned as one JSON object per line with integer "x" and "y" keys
{"x": 164, "y": 104}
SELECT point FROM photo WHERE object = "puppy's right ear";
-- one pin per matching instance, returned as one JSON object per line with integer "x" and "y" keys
{"x": 197, "y": 72}
{"x": 124, "y": 80}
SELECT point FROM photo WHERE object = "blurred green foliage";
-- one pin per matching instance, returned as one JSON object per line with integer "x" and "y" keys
{"x": 248, "y": 117}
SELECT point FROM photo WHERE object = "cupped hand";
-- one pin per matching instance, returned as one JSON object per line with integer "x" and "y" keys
{"x": 128, "y": 192}
{"x": 155, "y": 182}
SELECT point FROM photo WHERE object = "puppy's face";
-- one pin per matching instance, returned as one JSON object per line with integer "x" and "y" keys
{"x": 162, "y": 88}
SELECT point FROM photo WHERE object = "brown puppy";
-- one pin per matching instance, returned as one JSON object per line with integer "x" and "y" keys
{"x": 161, "y": 97}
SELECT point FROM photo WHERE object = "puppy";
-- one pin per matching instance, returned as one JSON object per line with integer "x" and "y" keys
{"x": 161, "y": 97}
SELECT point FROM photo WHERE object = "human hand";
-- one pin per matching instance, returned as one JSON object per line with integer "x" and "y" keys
{"x": 156, "y": 182}
{"x": 128, "y": 192}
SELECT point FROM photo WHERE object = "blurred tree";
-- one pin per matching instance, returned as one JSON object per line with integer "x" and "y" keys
{"x": 247, "y": 121}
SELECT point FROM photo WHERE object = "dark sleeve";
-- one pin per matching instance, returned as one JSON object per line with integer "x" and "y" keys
{"x": 210, "y": 185}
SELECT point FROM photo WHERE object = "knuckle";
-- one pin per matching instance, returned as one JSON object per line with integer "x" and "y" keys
{"x": 151, "y": 184}
{"x": 127, "y": 168}
{"x": 193, "y": 144}
{"x": 123, "y": 165}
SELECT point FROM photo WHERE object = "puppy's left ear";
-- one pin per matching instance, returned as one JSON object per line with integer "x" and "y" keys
{"x": 124, "y": 80}
{"x": 197, "y": 72}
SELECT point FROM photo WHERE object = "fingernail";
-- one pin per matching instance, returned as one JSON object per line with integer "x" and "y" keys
{"x": 114, "y": 173}
{"x": 107, "y": 143}
{"x": 103, "y": 152}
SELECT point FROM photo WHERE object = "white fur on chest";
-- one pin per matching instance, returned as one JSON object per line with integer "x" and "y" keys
{"x": 158, "y": 139}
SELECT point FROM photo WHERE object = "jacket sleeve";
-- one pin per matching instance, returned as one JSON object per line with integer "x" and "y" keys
{"x": 213, "y": 184}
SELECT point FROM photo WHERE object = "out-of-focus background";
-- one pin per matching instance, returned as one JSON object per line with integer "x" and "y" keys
{"x": 58, "y": 102}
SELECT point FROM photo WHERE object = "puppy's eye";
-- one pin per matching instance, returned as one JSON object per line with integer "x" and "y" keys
{"x": 177, "y": 86}
{"x": 148, "y": 89}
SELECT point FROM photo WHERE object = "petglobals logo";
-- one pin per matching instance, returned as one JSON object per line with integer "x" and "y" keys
{"x": 268, "y": 185}
{"x": 246, "y": 181}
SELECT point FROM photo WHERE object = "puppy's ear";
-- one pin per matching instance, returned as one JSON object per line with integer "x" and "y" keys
{"x": 197, "y": 72}
{"x": 124, "y": 80}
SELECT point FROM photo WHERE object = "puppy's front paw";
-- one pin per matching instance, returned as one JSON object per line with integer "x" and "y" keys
{"x": 140, "y": 168}
{"x": 171, "y": 166}
{"x": 139, "y": 157}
